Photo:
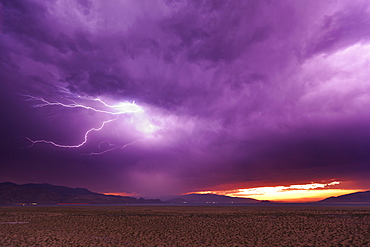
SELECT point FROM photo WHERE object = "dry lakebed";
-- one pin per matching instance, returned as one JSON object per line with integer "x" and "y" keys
{"x": 184, "y": 226}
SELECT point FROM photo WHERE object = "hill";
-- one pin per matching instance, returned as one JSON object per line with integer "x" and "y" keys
{"x": 357, "y": 197}
{"x": 13, "y": 194}
{"x": 209, "y": 198}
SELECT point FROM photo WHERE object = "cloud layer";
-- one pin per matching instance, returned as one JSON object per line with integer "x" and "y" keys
{"x": 248, "y": 92}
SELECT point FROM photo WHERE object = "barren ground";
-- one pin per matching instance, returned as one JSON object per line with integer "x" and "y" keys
{"x": 184, "y": 226}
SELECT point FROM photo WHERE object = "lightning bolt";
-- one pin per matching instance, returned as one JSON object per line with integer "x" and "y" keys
{"x": 112, "y": 147}
{"x": 121, "y": 108}
{"x": 33, "y": 142}
{"x": 115, "y": 110}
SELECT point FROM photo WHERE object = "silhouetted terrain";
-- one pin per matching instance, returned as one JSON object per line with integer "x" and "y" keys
{"x": 358, "y": 197}
{"x": 210, "y": 198}
{"x": 11, "y": 193}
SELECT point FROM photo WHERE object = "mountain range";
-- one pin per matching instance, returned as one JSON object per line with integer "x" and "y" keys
{"x": 357, "y": 197}
{"x": 11, "y": 194}
{"x": 209, "y": 198}
{"x": 14, "y": 194}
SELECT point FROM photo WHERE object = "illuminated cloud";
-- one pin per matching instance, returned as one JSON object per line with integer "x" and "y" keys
{"x": 122, "y": 194}
{"x": 138, "y": 119}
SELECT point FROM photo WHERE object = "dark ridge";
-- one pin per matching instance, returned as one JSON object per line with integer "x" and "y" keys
{"x": 357, "y": 197}
{"x": 209, "y": 198}
{"x": 13, "y": 194}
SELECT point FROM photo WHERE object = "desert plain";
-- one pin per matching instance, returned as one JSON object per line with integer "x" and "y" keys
{"x": 184, "y": 226}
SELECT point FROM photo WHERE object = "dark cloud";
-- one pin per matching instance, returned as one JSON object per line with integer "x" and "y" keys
{"x": 342, "y": 28}
{"x": 253, "y": 92}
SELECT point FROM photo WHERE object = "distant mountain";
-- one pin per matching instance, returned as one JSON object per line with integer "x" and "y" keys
{"x": 209, "y": 198}
{"x": 12, "y": 194}
{"x": 357, "y": 197}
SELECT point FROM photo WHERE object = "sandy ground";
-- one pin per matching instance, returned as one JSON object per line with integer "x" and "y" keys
{"x": 184, "y": 226}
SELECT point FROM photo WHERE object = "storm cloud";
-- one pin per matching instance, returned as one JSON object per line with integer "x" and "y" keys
{"x": 244, "y": 92}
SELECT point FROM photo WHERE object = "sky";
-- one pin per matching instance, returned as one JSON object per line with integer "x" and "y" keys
{"x": 164, "y": 97}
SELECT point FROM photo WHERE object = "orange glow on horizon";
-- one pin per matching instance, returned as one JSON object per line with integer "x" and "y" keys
{"x": 120, "y": 194}
{"x": 292, "y": 193}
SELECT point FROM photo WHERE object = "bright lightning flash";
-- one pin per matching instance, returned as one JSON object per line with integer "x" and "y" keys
{"x": 142, "y": 122}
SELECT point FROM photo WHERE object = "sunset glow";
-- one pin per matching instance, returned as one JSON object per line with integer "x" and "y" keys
{"x": 120, "y": 194}
{"x": 292, "y": 193}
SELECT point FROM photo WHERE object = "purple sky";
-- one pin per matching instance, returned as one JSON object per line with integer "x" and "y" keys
{"x": 247, "y": 93}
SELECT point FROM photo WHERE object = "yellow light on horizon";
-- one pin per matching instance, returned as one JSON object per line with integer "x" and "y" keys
{"x": 306, "y": 195}
{"x": 293, "y": 193}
